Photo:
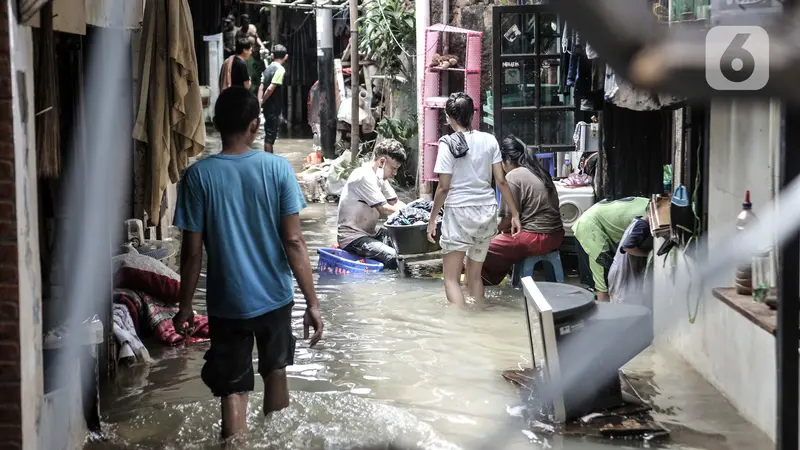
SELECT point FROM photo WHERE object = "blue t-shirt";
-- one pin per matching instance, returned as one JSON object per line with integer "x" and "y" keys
{"x": 237, "y": 202}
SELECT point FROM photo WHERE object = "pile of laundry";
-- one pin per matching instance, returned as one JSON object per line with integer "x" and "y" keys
{"x": 146, "y": 296}
{"x": 326, "y": 179}
{"x": 416, "y": 212}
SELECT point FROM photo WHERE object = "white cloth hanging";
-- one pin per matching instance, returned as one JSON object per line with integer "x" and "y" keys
{"x": 623, "y": 94}
{"x": 590, "y": 52}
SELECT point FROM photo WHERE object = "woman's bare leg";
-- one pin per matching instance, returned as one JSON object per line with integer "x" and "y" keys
{"x": 453, "y": 265}
{"x": 475, "y": 281}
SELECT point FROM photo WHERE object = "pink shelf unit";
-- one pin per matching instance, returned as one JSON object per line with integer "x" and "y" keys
{"x": 433, "y": 97}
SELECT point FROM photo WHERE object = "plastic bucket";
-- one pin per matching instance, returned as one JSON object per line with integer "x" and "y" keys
{"x": 413, "y": 239}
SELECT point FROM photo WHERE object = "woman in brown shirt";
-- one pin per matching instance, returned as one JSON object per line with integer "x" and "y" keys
{"x": 535, "y": 194}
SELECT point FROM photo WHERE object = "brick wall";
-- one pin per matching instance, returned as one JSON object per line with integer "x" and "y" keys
{"x": 10, "y": 383}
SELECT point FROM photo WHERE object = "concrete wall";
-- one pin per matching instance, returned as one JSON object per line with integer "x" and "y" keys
{"x": 20, "y": 269}
{"x": 72, "y": 16}
{"x": 735, "y": 355}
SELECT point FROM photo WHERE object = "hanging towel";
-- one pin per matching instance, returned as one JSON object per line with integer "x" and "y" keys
{"x": 622, "y": 94}
{"x": 457, "y": 144}
{"x": 170, "y": 118}
{"x": 225, "y": 73}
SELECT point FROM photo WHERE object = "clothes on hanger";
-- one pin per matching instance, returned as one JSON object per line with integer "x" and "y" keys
{"x": 590, "y": 52}
{"x": 623, "y": 94}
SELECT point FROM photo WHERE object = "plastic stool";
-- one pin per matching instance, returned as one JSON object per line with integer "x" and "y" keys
{"x": 553, "y": 269}
{"x": 547, "y": 160}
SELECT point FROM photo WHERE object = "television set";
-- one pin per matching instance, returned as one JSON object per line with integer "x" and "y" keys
{"x": 579, "y": 345}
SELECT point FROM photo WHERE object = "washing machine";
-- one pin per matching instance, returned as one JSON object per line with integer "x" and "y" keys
{"x": 573, "y": 202}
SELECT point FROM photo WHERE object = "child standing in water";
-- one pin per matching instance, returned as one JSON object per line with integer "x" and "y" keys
{"x": 465, "y": 164}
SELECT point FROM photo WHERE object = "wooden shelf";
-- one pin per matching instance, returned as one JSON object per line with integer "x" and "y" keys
{"x": 758, "y": 313}
{"x": 453, "y": 69}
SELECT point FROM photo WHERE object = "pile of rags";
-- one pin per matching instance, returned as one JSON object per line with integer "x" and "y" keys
{"x": 149, "y": 292}
{"x": 416, "y": 212}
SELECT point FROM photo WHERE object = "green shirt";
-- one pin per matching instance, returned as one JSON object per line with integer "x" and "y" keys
{"x": 599, "y": 230}
{"x": 273, "y": 75}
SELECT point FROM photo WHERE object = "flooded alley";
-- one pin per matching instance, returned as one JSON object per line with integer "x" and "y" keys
{"x": 653, "y": 205}
{"x": 396, "y": 365}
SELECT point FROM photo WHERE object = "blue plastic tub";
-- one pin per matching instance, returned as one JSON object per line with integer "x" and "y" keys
{"x": 340, "y": 262}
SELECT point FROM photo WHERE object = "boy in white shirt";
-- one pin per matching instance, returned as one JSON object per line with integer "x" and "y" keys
{"x": 366, "y": 197}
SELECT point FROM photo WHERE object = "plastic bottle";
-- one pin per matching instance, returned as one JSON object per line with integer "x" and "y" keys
{"x": 763, "y": 275}
{"x": 744, "y": 271}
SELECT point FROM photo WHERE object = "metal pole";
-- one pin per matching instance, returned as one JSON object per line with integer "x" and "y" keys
{"x": 327, "y": 97}
{"x": 422, "y": 19}
{"x": 788, "y": 320}
{"x": 273, "y": 26}
{"x": 355, "y": 124}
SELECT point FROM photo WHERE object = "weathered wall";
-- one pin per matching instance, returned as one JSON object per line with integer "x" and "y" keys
{"x": 732, "y": 353}
{"x": 72, "y": 16}
{"x": 20, "y": 270}
{"x": 472, "y": 15}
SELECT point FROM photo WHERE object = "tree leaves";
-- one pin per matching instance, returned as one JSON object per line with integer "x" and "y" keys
{"x": 386, "y": 32}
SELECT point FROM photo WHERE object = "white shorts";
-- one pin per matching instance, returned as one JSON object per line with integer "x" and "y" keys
{"x": 469, "y": 229}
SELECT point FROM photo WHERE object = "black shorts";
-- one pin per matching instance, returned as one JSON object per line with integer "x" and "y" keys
{"x": 271, "y": 124}
{"x": 229, "y": 362}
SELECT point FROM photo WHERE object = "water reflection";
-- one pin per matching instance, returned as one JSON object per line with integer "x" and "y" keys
{"x": 396, "y": 366}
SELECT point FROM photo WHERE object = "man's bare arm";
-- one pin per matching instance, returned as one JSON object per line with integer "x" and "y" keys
{"x": 260, "y": 93}
{"x": 294, "y": 245}
{"x": 397, "y": 203}
{"x": 191, "y": 263}
{"x": 636, "y": 251}
{"x": 388, "y": 209}
{"x": 270, "y": 90}
{"x": 247, "y": 84}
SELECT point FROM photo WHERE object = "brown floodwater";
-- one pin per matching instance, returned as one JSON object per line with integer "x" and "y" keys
{"x": 396, "y": 365}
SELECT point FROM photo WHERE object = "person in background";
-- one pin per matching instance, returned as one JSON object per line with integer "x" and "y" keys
{"x": 368, "y": 195}
{"x": 243, "y": 206}
{"x": 239, "y": 74}
{"x": 229, "y": 36}
{"x": 599, "y": 231}
{"x": 270, "y": 96}
{"x": 466, "y": 161}
{"x": 534, "y": 191}
{"x": 626, "y": 275}
{"x": 247, "y": 30}
{"x": 255, "y": 65}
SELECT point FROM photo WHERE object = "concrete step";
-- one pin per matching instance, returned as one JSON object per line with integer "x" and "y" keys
{"x": 424, "y": 265}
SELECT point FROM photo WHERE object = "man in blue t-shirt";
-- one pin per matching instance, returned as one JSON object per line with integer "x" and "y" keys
{"x": 244, "y": 206}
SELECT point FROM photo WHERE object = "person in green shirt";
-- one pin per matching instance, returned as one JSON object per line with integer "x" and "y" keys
{"x": 270, "y": 95}
{"x": 599, "y": 231}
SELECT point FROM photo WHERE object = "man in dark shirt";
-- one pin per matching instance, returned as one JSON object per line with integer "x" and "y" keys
{"x": 270, "y": 95}
{"x": 239, "y": 73}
